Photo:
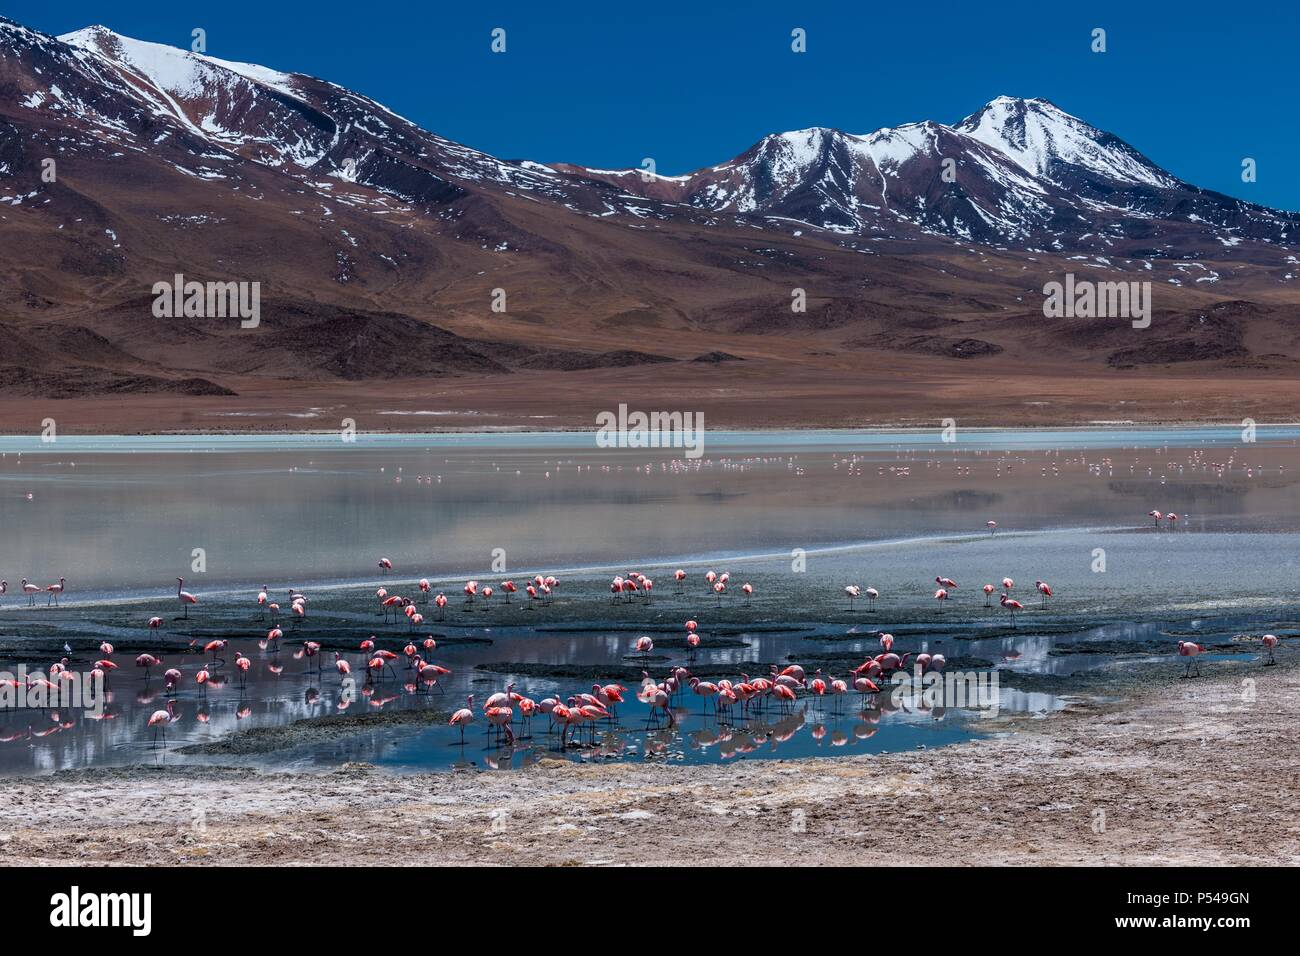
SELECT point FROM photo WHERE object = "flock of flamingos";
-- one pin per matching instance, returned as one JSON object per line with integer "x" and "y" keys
{"x": 582, "y": 711}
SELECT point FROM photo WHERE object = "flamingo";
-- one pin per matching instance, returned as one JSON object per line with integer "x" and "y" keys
{"x": 1044, "y": 589}
{"x": 500, "y": 718}
{"x": 441, "y": 602}
{"x": 31, "y": 590}
{"x": 171, "y": 679}
{"x": 185, "y": 597}
{"x": 748, "y": 590}
{"x": 1191, "y": 652}
{"x": 838, "y": 689}
{"x": 853, "y": 591}
{"x": 147, "y": 661}
{"x": 992, "y": 526}
{"x": 501, "y": 698}
{"x": 159, "y": 720}
{"x": 1012, "y": 606}
{"x": 644, "y": 645}
{"x": 155, "y": 623}
{"x": 988, "y": 595}
{"x": 948, "y": 583}
{"x": 679, "y": 576}
{"x": 425, "y": 588}
{"x": 872, "y": 594}
{"x": 510, "y": 588}
{"x": 887, "y": 642}
{"x": 55, "y": 590}
{"x": 343, "y": 667}
{"x": 385, "y": 565}
{"x": 1270, "y": 642}
{"x": 462, "y": 717}
{"x": 1156, "y": 515}
{"x": 1008, "y": 584}
{"x": 941, "y": 595}
{"x": 262, "y": 600}
{"x": 864, "y": 686}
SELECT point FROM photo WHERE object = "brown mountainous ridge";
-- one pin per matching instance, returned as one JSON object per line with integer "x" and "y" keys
{"x": 378, "y": 247}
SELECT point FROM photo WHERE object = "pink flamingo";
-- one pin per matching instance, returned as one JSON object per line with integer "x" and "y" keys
{"x": 185, "y": 597}
{"x": 159, "y": 720}
{"x": 991, "y": 525}
{"x": 463, "y": 717}
{"x": 644, "y": 645}
{"x": 1012, "y": 606}
{"x": 1044, "y": 589}
{"x": 1191, "y": 652}
{"x": 31, "y": 590}
{"x": 155, "y": 623}
{"x": 853, "y": 592}
{"x": 510, "y": 588}
{"x": 1270, "y": 642}
{"x": 865, "y": 686}
{"x": 385, "y": 565}
{"x": 748, "y": 590}
{"x": 948, "y": 583}
{"x": 872, "y": 594}
{"x": 1156, "y": 515}
{"x": 147, "y": 661}
{"x": 941, "y": 595}
{"x": 500, "y": 718}
{"x": 55, "y": 590}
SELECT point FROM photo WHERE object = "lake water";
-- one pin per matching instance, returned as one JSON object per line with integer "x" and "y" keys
{"x": 799, "y": 515}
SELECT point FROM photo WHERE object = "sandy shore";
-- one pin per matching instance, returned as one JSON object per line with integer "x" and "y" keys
{"x": 1193, "y": 774}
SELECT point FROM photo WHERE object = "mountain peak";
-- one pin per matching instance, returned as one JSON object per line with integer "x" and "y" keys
{"x": 1043, "y": 139}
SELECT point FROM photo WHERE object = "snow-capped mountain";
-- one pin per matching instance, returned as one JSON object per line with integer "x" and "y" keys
{"x": 366, "y": 229}
{"x": 1017, "y": 172}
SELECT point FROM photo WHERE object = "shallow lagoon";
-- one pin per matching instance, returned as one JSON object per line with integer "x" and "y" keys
{"x": 798, "y": 514}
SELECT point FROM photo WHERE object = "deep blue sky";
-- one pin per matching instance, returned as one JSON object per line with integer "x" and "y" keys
{"x": 1196, "y": 86}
